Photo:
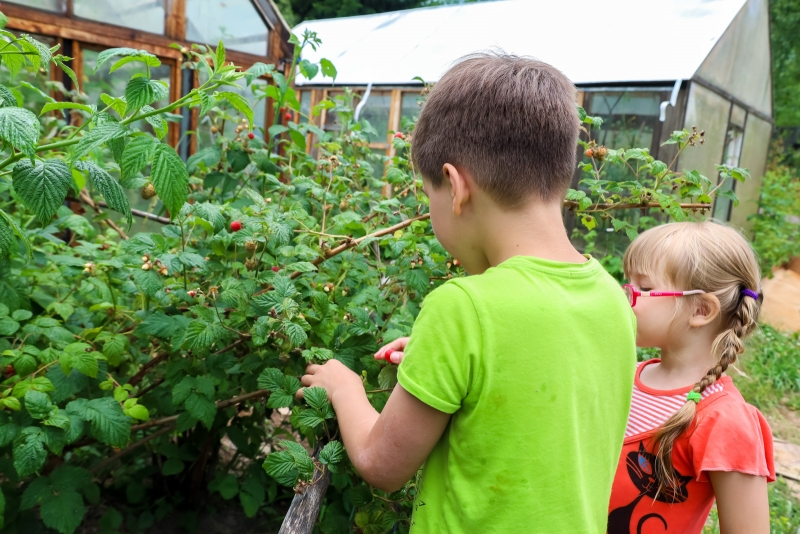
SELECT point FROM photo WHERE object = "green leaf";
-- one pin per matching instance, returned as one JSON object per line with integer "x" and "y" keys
{"x": 7, "y": 98}
{"x": 143, "y": 91}
{"x": 108, "y": 423}
{"x": 251, "y": 496}
{"x": 42, "y": 186}
{"x": 279, "y": 399}
{"x": 11, "y": 224}
{"x": 308, "y": 69}
{"x": 257, "y": 70}
{"x": 8, "y": 432}
{"x": 151, "y": 61}
{"x": 201, "y": 335}
{"x": 270, "y": 379}
{"x": 62, "y": 511}
{"x": 108, "y": 131}
{"x": 117, "y": 104}
{"x": 328, "y": 69}
{"x": 239, "y": 103}
{"x": 172, "y": 466}
{"x": 105, "y": 55}
{"x": 278, "y": 464}
{"x": 316, "y": 397}
{"x": 139, "y": 412}
{"x": 202, "y": 408}
{"x": 60, "y": 61}
{"x": 170, "y": 178}
{"x": 86, "y": 363}
{"x": 21, "y": 315}
{"x": 308, "y": 419}
{"x": 137, "y": 154}
{"x": 219, "y": 57}
{"x": 332, "y": 453}
{"x": 38, "y": 404}
{"x": 50, "y": 106}
{"x": 20, "y": 129}
{"x": 228, "y": 487}
{"x": 8, "y": 326}
{"x": 3, "y": 22}
{"x": 29, "y": 453}
{"x": 182, "y": 390}
{"x": 108, "y": 187}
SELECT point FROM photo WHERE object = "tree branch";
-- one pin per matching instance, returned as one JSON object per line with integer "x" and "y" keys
{"x": 86, "y": 199}
{"x": 109, "y": 461}
{"x": 221, "y": 405}
{"x": 135, "y": 379}
{"x": 144, "y": 215}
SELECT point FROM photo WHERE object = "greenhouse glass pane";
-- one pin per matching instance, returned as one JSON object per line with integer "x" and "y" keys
{"x": 236, "y": 22}
{"x": 733, "y": 152}
{"x": 59, "y": 6}
{"x": 95, "y": 83}
{"x": 144, "y": 15}
{"x": 376, "y": 112}
{"x": 305, "y": 106}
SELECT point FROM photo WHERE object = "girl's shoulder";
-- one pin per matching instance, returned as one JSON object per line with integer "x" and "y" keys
{"x": 728, "y": 434}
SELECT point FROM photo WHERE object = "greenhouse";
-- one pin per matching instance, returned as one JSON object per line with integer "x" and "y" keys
{"x": 710, "y": 68}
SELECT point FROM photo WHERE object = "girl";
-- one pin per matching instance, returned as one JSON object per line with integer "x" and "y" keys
{"x": 691, "y": 437}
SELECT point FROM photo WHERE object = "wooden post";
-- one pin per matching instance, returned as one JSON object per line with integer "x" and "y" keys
{"x": 176, "y": 20}
{"x": 305, "y": 506}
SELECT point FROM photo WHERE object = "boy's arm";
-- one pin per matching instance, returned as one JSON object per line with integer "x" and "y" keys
{"x": 741, "y": 501}
{"x": 388, "y": 448}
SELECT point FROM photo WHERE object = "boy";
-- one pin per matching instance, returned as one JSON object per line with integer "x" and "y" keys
{"x": 515, "y": 386}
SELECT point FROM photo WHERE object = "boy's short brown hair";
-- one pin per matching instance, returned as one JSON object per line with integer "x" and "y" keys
{"x": 510, "y": 121}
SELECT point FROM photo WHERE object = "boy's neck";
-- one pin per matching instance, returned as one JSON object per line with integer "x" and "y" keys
{"x": 537, "y": 229}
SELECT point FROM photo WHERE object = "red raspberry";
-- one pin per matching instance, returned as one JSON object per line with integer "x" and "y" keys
{"x": 251, "y": 135}
{"x": 236, "y": 226}
{"x": 192, "y": 294}
{"x": 399, "y": 135}
{"x": 388, "y": 355}
{"x": 275, "y": 268}
{"x": 288, "y": 116}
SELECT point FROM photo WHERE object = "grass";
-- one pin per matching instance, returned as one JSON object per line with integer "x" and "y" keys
{"x": 772, "y": 368}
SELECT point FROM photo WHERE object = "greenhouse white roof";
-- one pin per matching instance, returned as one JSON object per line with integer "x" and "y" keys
{"x": 591, "y": 41}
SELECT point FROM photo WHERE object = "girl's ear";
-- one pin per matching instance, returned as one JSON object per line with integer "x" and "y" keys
{"x": 706, "y": 310}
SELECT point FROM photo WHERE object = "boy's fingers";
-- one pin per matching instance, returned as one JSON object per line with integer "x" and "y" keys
{"x": 305, "y": 380}
{"x": 312, "y": 368}
{"x": 299, "y": 394}
{"x": 396, "y": 357}
{"x": 398, "y": 344}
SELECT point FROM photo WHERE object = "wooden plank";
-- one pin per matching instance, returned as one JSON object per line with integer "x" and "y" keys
{"x": 394, "y": 119}
{"x": 305, "y": 506}
{"x": 77, "y": 66}
{"x": 175, "y": 94}
{"x": 580, "y": 98}
{"x": 175, "y": 20}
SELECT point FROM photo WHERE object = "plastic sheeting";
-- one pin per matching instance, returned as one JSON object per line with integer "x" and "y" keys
{"x": 708, "y": 111}
{"x": 757, "y": 135}
{"x": 631, "y": 40}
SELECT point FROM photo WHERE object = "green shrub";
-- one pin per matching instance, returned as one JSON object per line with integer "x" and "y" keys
{"x": 777, "y": 225}
{"x": 155, "y": 373}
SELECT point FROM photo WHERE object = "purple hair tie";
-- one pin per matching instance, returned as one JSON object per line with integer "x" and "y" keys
{"x": 750, "y": 293}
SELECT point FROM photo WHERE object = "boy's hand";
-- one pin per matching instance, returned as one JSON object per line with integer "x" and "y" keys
{"x": 333, "y": 376}
{"x": 394, "y": 349}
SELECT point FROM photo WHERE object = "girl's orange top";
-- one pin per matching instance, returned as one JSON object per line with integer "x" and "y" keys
{"x": 727, "y": 434}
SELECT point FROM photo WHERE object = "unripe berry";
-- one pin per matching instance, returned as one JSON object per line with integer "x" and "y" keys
{"x": 589, "y": 153}
{"x": 250, "y": 246}
{"x": 146, "y": 267}
{"x": 236, "y": 226}
{"x": 148, "y": 192}
{"x": 214, "y": 129}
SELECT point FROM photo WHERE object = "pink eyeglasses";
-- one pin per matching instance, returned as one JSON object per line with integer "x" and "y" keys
{"x": 634, "y": 293}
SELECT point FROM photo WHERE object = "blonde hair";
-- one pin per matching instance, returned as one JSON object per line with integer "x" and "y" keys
{"x": 717, "y": 259}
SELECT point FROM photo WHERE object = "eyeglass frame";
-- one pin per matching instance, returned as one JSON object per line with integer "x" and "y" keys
{"x": 636, "y": 293}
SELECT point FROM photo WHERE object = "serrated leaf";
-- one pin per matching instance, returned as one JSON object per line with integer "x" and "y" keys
{"x": 279, "y": 399}
{"x": 182, "y": 390}
{"x": 137, "y": 154}
{"x": 62, "y": 511}
{"x": 96, "y": 137}
{"x": 29, "y": 453}
{"x": 228, "y": 487}
{"x": 38, "y": 404}
{"x": 8, "y": 432}
{"x": 108, "y": 423}
{"x": 143, "y": 91}
{"x": 270, "y": 379}
{"x": 105, "y": 55}
{"x": 202, "y": 408}
{"x": 279, "y": 464}
{"x": 151, "y": 61}
{"x": 219, "y": 57}
{"x": 112, "y": 192}
{"x": 42, "y": 186}
{"x": 19, "y": 128}
{"x": 170, "y": 178}
{"x": 7, "y": 98}
{"x": 257, "y": 70}
{"x": 117, "y": 104}
{"x": 50, "y": 106}
{"x": 239, "y": 103}
{"x": 201, "y": 335}
{"x": 308, "y": 419}
{"x": 332, "y": 453}
{"x": 316, "y": 397}
{"x": 12, "y": 224}
{"x": 295, "y": 332}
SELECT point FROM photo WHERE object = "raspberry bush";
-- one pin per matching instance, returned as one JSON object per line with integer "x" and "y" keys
{"x": 146, "y": 374}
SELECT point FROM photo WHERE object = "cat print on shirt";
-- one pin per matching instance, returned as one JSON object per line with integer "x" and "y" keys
{"x": 643, "y": 470}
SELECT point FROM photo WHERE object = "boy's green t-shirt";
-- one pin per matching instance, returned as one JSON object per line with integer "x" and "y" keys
{"x": 535, "y": 360}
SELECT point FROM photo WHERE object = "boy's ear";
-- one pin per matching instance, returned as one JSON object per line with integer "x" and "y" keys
{"x": 459, "y": 187}
{"x": 706, "y": 310}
